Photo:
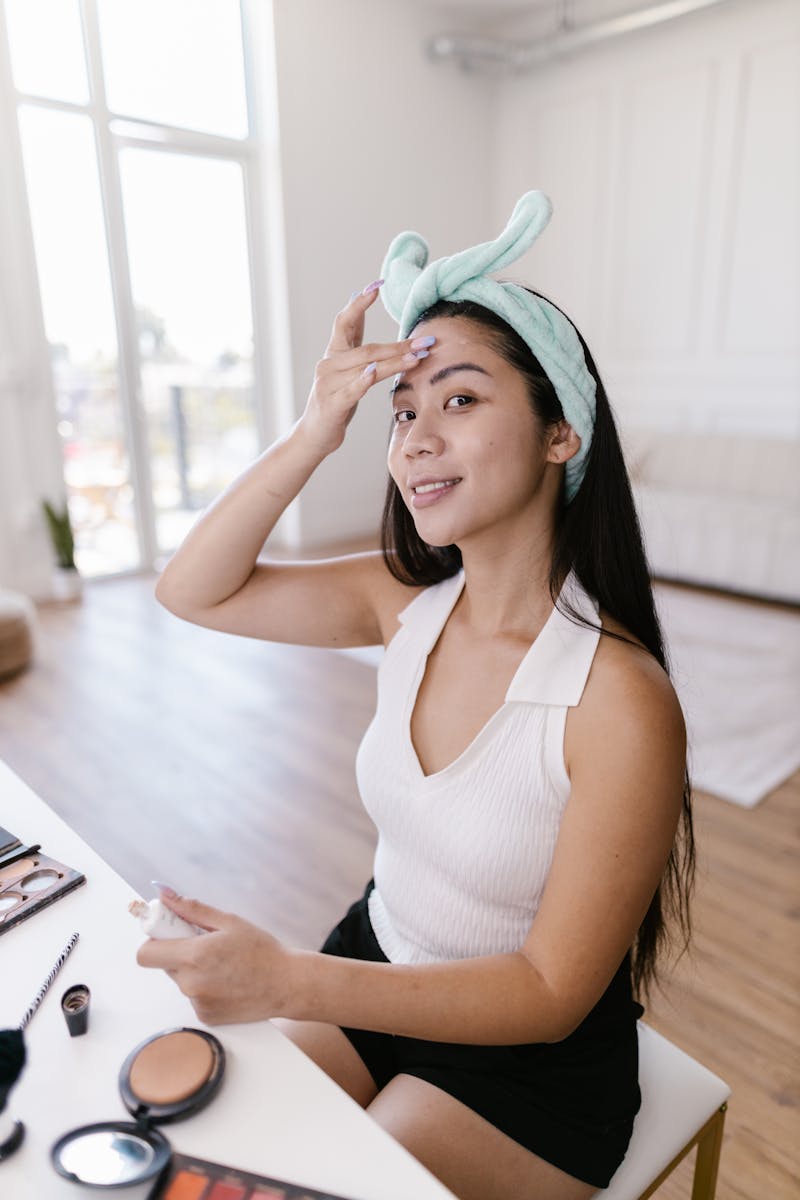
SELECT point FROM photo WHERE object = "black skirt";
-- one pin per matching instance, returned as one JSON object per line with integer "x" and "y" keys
{"x": 571, "y": 1102}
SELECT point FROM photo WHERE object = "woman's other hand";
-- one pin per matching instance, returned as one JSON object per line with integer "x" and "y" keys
{"x": 234, "y": 972}
{"x": 349, "y": 369}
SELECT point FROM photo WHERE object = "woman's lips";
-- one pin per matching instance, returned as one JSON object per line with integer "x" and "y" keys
{"x": 424, "y": 495}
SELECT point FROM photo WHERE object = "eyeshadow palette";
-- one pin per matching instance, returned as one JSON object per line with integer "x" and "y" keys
{"x": 194, "y": 1179}
{"x": 29, "y": 881}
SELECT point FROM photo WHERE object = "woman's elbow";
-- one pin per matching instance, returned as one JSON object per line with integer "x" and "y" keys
{"x": 165, "y": 595}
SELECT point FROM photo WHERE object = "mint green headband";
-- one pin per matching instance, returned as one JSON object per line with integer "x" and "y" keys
{"x": 411, "y": 285}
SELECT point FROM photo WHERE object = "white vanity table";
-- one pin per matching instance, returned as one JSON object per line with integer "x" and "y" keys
{"x": 276, "y": 1114}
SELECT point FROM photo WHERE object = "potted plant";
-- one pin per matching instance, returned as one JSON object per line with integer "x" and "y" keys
{"x": 66, "y": 579}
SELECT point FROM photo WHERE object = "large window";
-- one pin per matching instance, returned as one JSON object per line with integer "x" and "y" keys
{"x": 138, "y": 157}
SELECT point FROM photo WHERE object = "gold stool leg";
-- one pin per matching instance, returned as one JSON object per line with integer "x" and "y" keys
{"x": 707, "y": 1161}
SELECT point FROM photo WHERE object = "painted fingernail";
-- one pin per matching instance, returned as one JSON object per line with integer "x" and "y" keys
{"x": 373, "y": 287}
{"x": 372, "y": 367}
{"x": 421, "y": 353}
{"x": 353, "y": 296}
{"x": 421, "y": 343}
{"x": 164, "y": 888}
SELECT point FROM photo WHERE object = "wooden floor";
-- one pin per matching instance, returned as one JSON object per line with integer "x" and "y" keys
{"x": 225, "y": 767}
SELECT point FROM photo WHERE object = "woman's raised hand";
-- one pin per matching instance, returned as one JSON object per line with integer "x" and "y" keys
{"x": 348, "y": 370}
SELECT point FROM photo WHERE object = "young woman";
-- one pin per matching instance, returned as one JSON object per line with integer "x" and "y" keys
{"x": 526, "y": 767}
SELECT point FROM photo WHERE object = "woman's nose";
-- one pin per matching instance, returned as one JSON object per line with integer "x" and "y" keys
{"x": 422, "y": 438}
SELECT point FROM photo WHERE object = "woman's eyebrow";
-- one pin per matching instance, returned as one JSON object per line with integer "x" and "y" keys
{"x": 402, "y": 386}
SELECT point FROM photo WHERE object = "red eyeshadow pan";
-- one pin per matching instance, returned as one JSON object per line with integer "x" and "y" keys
{"x": 226, "y": 1191}
{"x": 192, "y": 1178}
{"x": 187, "y": 1186}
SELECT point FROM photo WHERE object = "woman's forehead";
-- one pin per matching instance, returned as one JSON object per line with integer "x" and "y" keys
{"x": 457, "y": 352}
{"x": 455, "y": 331}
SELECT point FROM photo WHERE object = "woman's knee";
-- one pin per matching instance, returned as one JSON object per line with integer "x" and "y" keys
{"x": 331, "y": 1050}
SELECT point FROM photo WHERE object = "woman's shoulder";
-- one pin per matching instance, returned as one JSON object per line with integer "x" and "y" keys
{"x": 626, "y": 739}
{"x": 627, "y": 683}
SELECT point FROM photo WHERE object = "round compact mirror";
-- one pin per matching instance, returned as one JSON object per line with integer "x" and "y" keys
{"x": 111, "y": 1154}
{"x": 167, "y": 1077}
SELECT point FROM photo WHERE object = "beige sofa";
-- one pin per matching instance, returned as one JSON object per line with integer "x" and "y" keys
{"x": 719, "y": 510}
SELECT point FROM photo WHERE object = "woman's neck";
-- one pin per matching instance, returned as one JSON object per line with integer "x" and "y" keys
{"x": 507, "y": 586}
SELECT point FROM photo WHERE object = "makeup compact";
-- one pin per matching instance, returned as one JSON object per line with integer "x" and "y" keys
{"x": 30, "y": 881}
{"x": 166, "y": 1078}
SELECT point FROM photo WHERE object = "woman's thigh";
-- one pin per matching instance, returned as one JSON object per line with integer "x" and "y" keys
{"x": 330, "y": 1049}
{"x": 469, "y": 1155}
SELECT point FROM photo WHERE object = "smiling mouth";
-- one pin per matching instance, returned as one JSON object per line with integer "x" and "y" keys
{"x": 435, "y": 487}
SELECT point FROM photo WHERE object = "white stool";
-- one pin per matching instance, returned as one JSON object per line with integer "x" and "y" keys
{"x": 683, "y": 1105}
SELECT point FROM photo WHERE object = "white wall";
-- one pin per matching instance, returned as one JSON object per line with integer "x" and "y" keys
{"x": 673, "y": 160}
{"x": 375, "y": 138}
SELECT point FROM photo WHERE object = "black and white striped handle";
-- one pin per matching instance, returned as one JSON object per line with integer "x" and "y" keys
{"x": 40, "y": 995}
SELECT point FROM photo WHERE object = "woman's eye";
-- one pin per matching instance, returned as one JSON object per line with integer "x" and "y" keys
{"x": 459, "y": 401}
{"x": 402, "y": 415}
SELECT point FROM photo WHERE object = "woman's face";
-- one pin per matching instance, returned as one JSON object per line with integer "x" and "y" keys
{"x": 467, "y": 452}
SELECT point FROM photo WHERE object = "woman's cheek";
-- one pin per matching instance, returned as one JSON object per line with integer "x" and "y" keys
{"x": 393, "y": 456}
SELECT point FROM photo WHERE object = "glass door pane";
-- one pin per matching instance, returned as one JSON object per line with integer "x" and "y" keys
{"x": 179, "y": 62}
{"x": 72, "y": 261}
{"x": 46, "y": 44}
{"x": 187, "y": 248}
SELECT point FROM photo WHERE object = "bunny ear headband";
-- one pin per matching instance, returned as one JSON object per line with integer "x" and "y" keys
{"x": 412, "y": 284}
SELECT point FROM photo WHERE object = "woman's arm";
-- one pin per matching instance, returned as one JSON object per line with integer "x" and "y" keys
{"x": 626, "y": 756}
{"x": 213, "y": 579}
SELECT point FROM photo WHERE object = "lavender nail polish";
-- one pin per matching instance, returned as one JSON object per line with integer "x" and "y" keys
{"x": 164, "y": 888}
{"x": 373, "y": 287}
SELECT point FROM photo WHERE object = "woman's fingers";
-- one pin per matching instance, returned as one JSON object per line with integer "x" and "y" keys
{"x": 337, "y": 392}
{"x": 348, "y": 324}
{"x": 348, "y": 370}
{"x": 361, "y": 356}
{"x": 345, "y": 350}
{"x": 195, "y": 912}
{"x": 347, "y": 387}
{"x": 378, "y": 370}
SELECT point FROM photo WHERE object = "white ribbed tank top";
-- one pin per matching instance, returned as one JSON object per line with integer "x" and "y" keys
{"x": 463, "y": 854}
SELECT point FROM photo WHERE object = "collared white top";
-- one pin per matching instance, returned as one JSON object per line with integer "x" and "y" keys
{"x": 463, "y": 854}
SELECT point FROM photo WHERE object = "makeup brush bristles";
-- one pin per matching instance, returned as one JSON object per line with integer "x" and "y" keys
{"x": 40, "y": 995}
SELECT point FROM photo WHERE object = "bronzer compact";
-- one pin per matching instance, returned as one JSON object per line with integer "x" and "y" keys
{"x": 166, "y": 1078}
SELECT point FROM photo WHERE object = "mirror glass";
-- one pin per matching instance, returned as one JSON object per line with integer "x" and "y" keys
{"x": 107, "y": 1157}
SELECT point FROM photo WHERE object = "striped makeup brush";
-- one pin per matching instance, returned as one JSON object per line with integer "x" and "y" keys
{"x": 40, "y": 995}
{"x": 12, "y": 1054}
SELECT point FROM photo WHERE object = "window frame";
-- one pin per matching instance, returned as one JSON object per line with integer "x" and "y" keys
{"x": 255, "y": 154}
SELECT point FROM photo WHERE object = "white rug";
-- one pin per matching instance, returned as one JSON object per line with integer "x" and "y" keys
{"x": 736, "y": 669}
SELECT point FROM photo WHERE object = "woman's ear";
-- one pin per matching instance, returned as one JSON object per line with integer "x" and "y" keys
{"x": 564, "y": 442}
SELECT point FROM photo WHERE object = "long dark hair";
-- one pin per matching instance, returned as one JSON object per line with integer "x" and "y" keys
{"x": 598, "y": 536}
